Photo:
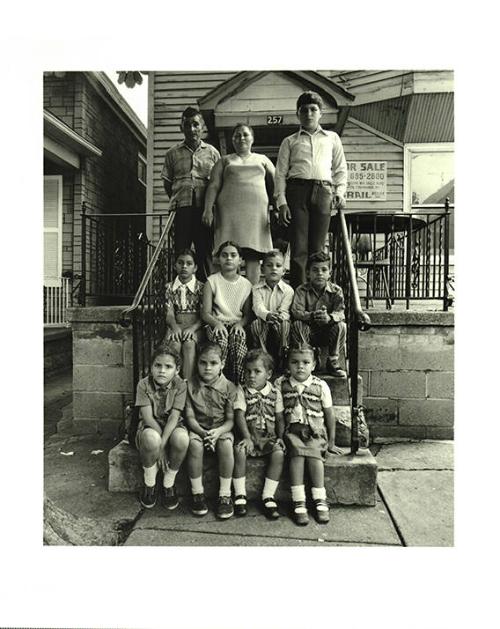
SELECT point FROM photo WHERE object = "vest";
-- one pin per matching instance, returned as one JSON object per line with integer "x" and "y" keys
{"x": 260, "y": 408}
{"x": 309, "y": 399}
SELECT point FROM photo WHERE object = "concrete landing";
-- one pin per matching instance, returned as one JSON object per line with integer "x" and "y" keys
{"x": 349, "y": 526}
{"x": 349, "y": 480}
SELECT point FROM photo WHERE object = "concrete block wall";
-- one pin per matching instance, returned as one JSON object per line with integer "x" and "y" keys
{"x": 407, "y": 363}
{"x": 102, "y": 369}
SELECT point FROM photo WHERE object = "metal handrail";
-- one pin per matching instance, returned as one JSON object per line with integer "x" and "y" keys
{"x": 128, "y": 312}
{"x": 359, "y": 320}
{"x": 362, "y": 318}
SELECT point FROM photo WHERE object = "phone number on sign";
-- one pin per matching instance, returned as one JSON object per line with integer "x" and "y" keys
{"x": 367, "y": 176}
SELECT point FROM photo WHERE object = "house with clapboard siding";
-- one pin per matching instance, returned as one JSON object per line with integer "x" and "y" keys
{"x": 94, "y": 160}
{"x": 395, "y": 120}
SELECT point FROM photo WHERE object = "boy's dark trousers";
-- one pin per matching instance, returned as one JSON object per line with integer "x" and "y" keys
{"x": 332, "y": 335}
{"x": 310, "y": 203}
{"x": 189, "y": 230}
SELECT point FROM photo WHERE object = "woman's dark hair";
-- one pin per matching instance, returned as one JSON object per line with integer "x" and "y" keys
{"x": 310, "y": 98}
{"x": 259, "y": 354}
{"x": 167, "y": 349}
{"x": 228, "y": 243}
{"x": 240, "y": 125}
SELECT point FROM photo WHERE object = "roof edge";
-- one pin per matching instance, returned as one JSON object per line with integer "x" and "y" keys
{"x": 114, "y": 95}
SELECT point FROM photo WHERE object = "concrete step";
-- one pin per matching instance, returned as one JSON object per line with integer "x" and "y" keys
{"x": 349, "y": 480}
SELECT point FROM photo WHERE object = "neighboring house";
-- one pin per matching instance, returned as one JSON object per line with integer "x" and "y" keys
{"x": 94, "y": 154}
{"x": 400, "y": 121}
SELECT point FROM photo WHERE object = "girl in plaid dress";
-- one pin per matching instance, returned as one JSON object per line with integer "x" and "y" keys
{"x": 227, "y": 308}
{"x": 183, "y": 299}
{"x": 258, "y": 415}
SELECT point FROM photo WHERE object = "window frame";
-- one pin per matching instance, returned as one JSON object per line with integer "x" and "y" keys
{"x": 415, "y": 148}
{"x": 55, "y": 281}
{"x": 142, "y": 158}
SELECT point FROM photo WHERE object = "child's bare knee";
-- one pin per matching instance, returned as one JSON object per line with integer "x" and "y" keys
{"x": 179, "y": 440}
{"x": 224, "y": 446}
{"x": 150, "y": 440}
{"x": 195, "y": 448}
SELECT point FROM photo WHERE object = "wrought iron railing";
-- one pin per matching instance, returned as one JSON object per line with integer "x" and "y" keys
{"x": 344, "y": 274}
{"x": 147, "y": 312}
{"x": 115, "y": 252}
{"x": 57, "y": 298}
{"x": 403, "y": 256}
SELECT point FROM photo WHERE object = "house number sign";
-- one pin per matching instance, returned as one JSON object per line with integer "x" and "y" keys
{"x": 274, "y": 120}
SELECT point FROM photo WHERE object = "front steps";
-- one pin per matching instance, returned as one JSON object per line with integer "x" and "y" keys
{"x": 349, "y": 480}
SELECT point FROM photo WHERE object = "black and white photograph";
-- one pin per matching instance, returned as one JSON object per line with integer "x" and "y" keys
{"x": 250, "y": 334}
{"x": 249, "y": 308}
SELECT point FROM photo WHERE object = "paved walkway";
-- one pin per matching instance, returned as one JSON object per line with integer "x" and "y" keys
{"x": 414, "y": 504}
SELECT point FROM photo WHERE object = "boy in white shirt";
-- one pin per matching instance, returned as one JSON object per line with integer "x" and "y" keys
{"x": 311, "y": 176}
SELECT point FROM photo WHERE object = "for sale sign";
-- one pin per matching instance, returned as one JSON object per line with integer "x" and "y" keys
{"x": 367, "y": 181}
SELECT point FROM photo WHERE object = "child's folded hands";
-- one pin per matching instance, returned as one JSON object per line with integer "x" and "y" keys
{"x": 247, "y": 445}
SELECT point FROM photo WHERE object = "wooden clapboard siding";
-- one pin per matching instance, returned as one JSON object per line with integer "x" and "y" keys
{"x": 170, "y": 94}
{"x": 271, "y": 92}
{"x": 362, "y": 144}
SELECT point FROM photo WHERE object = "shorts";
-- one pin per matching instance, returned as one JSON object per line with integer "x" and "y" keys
{"x": 142, "y": 427}
{"x": 226, "y": 435}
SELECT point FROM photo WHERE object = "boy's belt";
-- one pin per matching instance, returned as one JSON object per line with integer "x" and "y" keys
{"x": 306, "y": 182}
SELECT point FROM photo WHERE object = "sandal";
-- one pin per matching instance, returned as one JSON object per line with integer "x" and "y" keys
{"x": 322, "y": 511}
{"x": 270, "y": 508}
{"x": 300, "y": 516}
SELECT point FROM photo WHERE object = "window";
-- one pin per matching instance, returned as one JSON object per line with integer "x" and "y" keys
{"x": 141, "y": 168}
{"x": 52, "y": 230}
{"x": 429, "y": 175}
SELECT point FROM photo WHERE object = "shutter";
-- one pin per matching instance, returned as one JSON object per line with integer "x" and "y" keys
{"x": 52, "y": 230}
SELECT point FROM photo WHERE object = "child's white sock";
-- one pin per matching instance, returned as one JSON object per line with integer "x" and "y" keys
{"x": 270, "y": 487}
{"x": 196, "y": 485}
{"x": 298, "y": 493}
{"x": 169, "y": 478}
{"x": 239, "y": 485}
{"x": 319, "y": 493}
{"x": 225, "y": 486}
{"x": 150, "y": 475}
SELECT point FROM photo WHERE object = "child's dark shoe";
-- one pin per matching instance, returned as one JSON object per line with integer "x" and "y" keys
{"x": 240, "y": 505}
{"x": 322, "y": 511}
{"x": 333, "y": 368}
{"x": 199, "y": 504}
{"x": 148, "y": 496}
{"x": 170, "y": 499}
{"x": 224, "y": 507}
{"x": 299, "y": 513}
{"x": 270, "y": 508}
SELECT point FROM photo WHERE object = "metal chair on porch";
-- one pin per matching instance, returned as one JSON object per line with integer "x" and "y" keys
{"x": 375, "y": 270}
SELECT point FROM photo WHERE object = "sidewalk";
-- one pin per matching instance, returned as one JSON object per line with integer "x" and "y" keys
{"x": 414, "y": 504}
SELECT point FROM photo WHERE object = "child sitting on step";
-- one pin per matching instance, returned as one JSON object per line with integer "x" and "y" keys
{"x": 227, "y": 307}
{"x": 183, "y": 298}
{"x": 272, "y": 298}
{"x": 210, "y": 418}
{"x": 258, "y": 415}
{"x": 318, "y": 313}
{"x": 309, "y": 431}
{"x": 162, "y": 439}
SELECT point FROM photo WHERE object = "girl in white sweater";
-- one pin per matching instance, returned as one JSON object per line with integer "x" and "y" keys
{"x": 227, "y": 308}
